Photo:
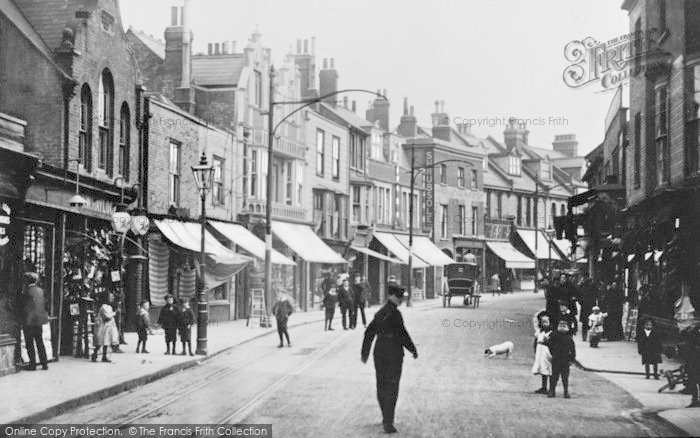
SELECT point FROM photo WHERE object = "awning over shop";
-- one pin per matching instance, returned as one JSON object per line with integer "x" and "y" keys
{"x": 302, "y": 240}
{"x": 528, "y": 236}
{"x": 240, "y": 235}
{"x": 221, "y": 263}
{"x": 564, "y": 246}
{"x": 394, "y": 246}
{"x": 514, "y": 259}
{"x": 377, "y": 255}
{"x": 426, "y": 250}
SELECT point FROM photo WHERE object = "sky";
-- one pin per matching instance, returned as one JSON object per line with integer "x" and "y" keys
{"x": 487, "y": 60}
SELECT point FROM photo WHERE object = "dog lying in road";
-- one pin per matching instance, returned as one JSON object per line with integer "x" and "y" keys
{"x": 495, "y": 350}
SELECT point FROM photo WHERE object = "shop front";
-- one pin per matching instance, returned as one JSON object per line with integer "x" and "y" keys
{"x": 174, "y": 249}
{"x": 514, "y": 269}
{"x": 313, "y": 257}
{"x": 253, "y": 276}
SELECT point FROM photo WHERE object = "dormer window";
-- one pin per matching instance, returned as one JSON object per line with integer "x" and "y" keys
{"x": 546, "y": 171}
{"x": 514, "y": 166}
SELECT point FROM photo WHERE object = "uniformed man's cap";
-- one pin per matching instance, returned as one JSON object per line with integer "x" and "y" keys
{"x": 31, "y": 277}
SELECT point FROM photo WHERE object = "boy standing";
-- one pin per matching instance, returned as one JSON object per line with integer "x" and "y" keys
{"x": 563, "y": 351}
{"x": 649, "y": 346}
{"x": 184, "y": 327}
{"x": 168, "y": 319}
{"x": 282, "y": 309}
{"x": 143, "y": 324}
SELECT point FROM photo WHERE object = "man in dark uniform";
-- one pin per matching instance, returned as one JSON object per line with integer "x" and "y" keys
{"x": 359, "y": 300}
{"x": 588, "y": 298}
{"x": 392, "y": 338}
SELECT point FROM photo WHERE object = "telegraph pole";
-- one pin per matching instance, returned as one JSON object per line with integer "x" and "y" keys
{"x": 268, "y": 200}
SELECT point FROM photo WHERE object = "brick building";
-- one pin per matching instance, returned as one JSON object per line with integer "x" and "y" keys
{"x": 80, "y": 106}
{"x": 662, "y": 157}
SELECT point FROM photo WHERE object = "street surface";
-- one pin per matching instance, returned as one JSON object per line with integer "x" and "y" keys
{"x": 319, "y": 387}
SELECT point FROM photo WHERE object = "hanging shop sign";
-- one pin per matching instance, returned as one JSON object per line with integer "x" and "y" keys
{"x": 429, "y": 197}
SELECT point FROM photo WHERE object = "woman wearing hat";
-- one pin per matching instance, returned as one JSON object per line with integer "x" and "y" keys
{"x": 595, "y": 324}
{"x": 35, "y": 316}
{"x": 106, "y": 333}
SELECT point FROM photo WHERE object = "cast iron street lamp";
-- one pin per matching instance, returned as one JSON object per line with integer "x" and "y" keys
{"x": 203, "y": 174}
{"x": 537, "y": 227}
{"x": 409, "y": 301}
{"x": 550, "y": 236}
{"x": 272, "y": 128}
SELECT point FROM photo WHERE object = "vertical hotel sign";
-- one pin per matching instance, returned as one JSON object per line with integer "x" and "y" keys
{"x": 429, "y": 197}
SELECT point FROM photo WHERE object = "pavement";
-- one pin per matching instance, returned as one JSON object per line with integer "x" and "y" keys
{"x": 74, "y": 382}
{"x": 620, "y": 363}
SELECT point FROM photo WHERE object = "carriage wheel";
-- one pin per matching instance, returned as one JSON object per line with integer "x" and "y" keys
{"x": 444, "y": 300}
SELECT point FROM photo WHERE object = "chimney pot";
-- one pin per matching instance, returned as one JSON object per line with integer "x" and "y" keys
{"x": 411, "y": 110}
{"x": 345, "y": 101}
{"x": 325, "y": 63}
{"x": 332, "y": 63}
{"x": 354, "y": 106}
{"x": 405, "y": 106}
{"x": 299, "y": 46}
{"x": 437, "y": 106}
{"x": 224, "y": 48}
{"x": 313, "y": 45}
{"x": 233, "y": 47}
{"x": 173, "y": 16}
{"x": 216, "y": 49}
{"x": 442, "y": 106}
{"x": 182, "y": 10}
{"x": 210, "y": 48}
{"x": 306, "y": 46}
{"x": 384, "y": 93}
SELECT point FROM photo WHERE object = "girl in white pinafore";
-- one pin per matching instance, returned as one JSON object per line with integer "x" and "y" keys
{"x": 543, "y": 358}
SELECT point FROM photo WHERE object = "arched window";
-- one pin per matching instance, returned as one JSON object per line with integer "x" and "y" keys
{"x": 563, "y": 210}
{"x": 85, "y": 131}
{"x": 124, "y": 141}
{"x": 105, "y": 120}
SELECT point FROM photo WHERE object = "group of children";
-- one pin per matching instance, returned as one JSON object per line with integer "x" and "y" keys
{"x": 172, "y": 319}
{"x": 554, "y": 352}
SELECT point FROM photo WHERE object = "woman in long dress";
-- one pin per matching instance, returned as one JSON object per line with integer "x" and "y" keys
{"x": 107, "y": 333}
{"x": 543, "y": 357}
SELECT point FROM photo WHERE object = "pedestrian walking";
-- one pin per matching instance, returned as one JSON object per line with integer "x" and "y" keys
{"x": 35, "y": 316}
{"x": 185, "y": 322}
{"x": 543, "y": 357}
{"x": 143, "y": 326}
{"x": 596, "y": 322}
{"x": 282, "y": 310}
{"x": 344, "y": 301}
{"x": 330, "y": 297}
{"x": 392, "y": 338}
{"x": 563, "y": 350}
{"x": 106, "y": 333}
{"x": 359, "y": 300}
{"x": 168, "y": 319}
{"x": 649, "y": 347}
{"x": 495, "y": 285}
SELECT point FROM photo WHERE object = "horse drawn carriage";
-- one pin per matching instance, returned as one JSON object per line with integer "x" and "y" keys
{"x": 461, "y": 279}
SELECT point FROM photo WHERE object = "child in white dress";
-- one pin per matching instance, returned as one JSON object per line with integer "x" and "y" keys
{"x": 543, "y": 358}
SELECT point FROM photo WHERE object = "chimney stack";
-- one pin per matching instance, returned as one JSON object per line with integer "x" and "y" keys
{"x": 328, "y": 81}
{"x": 298, "y": 46}
{"x": 345, "y": 102}
{"x": 210, "y": 49}
{"x": 224, "y": 48}
{"x": 233, "y": 47}
{"x": 354, "y": 106}
{"x": 174, "y": 12}
{"x": 409, "y": 125}
{"x": 216, "y": 49}
{"x": 306, "y": 47}
{"x": 313, "y": 46}
{"x": 515, "y": 133}
{"x": 379, "y": 110}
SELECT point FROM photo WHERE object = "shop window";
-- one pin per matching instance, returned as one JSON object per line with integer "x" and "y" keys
{"x": 219, "y": 293}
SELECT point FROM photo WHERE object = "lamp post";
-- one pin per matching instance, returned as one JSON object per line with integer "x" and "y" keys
{"x": 203, "y": 173}
{"x": 550, "y": 235}
{"x": 414, "y": 174}
{"x": 272, "y": 128}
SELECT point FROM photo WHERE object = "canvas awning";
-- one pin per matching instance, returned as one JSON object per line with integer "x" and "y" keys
{"x": 221, "y": 263}
{"x": 426, "y": 250}
{"x": 394, "y": 246}
{"x": 514, "y": 259}
{"x": 564, "y": 246}
{"x": 528, "y": 237}
{"x": 377, "y": 255}
{"x": 240, "y": 235}
{"x": 302, "y": 240}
